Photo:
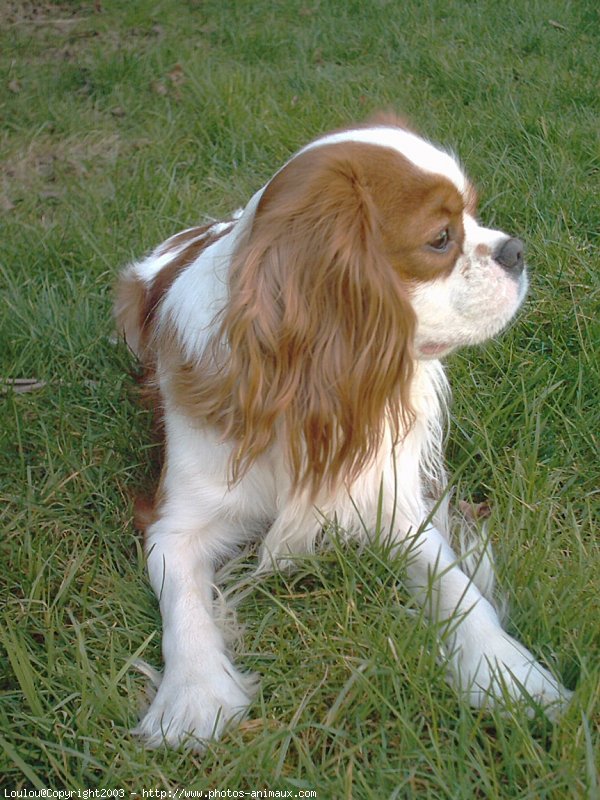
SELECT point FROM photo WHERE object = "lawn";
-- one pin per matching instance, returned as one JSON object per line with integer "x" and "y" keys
{"x": 122, "y": 122}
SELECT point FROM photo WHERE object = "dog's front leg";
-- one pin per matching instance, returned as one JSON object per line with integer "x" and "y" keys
{"x": 487, "y": 664}
{"x": 200, "y": 690}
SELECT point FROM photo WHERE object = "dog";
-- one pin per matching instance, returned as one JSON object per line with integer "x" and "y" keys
{"x": 295, "y": 349}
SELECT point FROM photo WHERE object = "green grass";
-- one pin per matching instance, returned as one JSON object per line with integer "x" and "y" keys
{"x": 123, "y": 121}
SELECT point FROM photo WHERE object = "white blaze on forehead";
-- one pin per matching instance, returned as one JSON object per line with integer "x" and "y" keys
{"x": 421, "y": 153}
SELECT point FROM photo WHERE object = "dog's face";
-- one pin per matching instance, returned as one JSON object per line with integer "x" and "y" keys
{"x": 477, "y": 298}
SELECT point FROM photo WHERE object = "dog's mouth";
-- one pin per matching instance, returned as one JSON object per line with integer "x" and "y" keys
{"x": 434, "y": 349}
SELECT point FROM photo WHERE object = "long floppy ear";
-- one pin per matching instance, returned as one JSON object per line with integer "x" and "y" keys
{"x": 318, "y": 325}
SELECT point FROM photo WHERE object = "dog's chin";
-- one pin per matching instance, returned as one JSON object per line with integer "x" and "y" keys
{"x": 430, "y": 349}
{"x": 436, "y": 344}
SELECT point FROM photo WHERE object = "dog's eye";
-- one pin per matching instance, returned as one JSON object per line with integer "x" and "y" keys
{"x": 441, "y": 241}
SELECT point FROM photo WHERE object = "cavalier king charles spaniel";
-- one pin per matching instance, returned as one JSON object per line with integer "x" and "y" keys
{"x": 295, "y": 349}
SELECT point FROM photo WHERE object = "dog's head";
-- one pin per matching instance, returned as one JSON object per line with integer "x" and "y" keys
{"x": 381, "y": 197}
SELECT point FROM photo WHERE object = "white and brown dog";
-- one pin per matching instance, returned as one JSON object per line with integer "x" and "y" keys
{"x": 295, "y": 351}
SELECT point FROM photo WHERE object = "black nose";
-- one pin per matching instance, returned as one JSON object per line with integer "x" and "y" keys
{"x": 510, "y": 256}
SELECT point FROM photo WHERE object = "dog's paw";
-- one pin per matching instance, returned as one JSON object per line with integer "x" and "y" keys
{"x": 189, "y": 709}
{"x": 500, "y": 668}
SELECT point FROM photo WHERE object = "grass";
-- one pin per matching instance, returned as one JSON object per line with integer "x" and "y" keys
{"x": 124, "y": 121}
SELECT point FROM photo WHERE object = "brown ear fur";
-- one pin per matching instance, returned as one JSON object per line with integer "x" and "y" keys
{"x": 318, "y": 325}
